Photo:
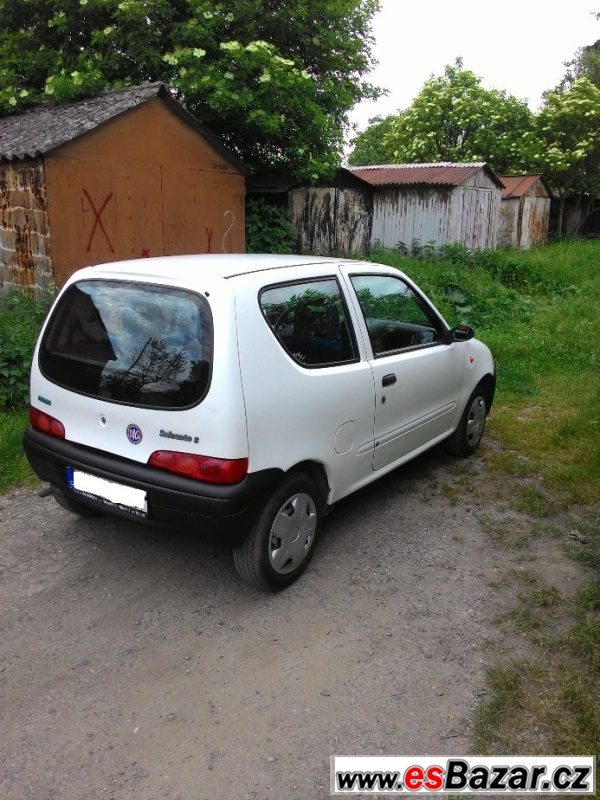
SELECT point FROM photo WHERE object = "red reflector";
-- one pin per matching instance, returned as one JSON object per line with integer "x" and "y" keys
{"x": 45, "y": 423}
{"x": 201, "y": 468}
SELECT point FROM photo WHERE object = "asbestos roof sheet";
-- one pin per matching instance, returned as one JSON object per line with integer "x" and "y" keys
{"x": 519, "y": 185}
{"x": 46, "y": 127}
{"x": 440, "y": 174}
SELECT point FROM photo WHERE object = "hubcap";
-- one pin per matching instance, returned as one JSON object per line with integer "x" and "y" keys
{"x": 476, "y": 421}
{"x": 292, "y": 533}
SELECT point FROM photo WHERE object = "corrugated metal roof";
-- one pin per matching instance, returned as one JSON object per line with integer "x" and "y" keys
{"x": 439, "y": 174}
{"x": 518, "y": 185}
{"x": 47, "y": 127}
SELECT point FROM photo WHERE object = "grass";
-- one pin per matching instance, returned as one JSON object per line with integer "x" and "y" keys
{"x": 20, "y": 320}
{"x": 14, "y": 468}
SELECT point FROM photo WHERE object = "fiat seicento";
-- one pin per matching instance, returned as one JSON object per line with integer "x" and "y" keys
{"x": 247, "y": 393}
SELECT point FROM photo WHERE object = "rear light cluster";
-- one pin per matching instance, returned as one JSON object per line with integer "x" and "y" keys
{"x": 202, "y": 468}
{"x": 45, "y": 423}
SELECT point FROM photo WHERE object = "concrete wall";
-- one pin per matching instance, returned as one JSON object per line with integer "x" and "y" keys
{"x": 144, "y": 184}
{"x": 25, "y": 255}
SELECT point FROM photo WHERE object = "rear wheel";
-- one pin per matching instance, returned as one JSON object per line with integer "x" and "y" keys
{"x": 283, "y": 538}
{"x": 466, "y": 438}
{"x": 73, "y": 506}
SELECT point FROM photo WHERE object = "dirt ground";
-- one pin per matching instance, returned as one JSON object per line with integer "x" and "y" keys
{"x": 135, "y": 664}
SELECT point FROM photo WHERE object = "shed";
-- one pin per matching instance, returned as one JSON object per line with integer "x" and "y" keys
{"x": 438, "y": 203}
{"x": 524, "y": 211}
{"x": 333, "y": 218}
{"x": 126, "y": 174}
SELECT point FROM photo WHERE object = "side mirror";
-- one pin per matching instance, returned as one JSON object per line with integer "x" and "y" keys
{"x": 462, "y": 333}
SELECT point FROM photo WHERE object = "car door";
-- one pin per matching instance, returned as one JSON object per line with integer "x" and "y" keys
{"x": 416, "y": 367}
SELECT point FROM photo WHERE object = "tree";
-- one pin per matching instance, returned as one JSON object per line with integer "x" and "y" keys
{"x": 585, "y": 64}
{"x": 370, "y": 146}
{"x": 454, "y": 118}
{"x": 568, "y": 127}
{"x": 275, "y": 79}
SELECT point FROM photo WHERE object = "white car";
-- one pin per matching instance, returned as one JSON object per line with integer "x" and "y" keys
{"x": 246, "y": 392}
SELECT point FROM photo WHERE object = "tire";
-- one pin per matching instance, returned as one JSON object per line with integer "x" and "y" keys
{"x": 73, "y": 506}
{"x": 466, "y": 438}
{"x": 283, "y": 537}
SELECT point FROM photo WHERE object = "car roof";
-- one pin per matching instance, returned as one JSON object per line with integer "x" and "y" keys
{"x": 191, "y": 267}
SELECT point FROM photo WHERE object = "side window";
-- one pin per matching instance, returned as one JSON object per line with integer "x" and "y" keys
{"x": 396, "y": 317}
{"x": 310, "y": 321}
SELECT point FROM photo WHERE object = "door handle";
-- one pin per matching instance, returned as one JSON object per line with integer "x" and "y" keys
{"x": 388, "y": 380}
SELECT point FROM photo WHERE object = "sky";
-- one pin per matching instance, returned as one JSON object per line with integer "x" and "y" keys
{"x": 516, "y": 45}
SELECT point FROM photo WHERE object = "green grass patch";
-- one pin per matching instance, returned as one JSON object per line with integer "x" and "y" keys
{"x": 539, "y": 708}
{"x": 20, "y": 321}
{"x": 14, "y": 467}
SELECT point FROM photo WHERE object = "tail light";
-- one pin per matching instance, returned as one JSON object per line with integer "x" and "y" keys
{"x": 45, "y": 423}
{"x": 201, "y": 468}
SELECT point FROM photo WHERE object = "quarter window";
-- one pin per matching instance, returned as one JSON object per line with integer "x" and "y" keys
{"x": 310, "y": 321}
{"x": 395, "y": 316}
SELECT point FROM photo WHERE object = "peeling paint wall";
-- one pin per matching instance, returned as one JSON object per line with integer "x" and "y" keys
{"x": 438, "y": 214}
{"x": 479, "y": 218}
{"x": 534, "y": 225}
{"x": 413, "y": 213}
{"x": 507, "y": 225}
{"x": 524, "y": 219}
{"x": 25, "y": 255}
{"x": 332, "y": 220}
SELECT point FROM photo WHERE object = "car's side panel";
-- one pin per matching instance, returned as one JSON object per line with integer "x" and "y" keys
{"x": 420, "y": 406}
{"x": 298, "y": 414}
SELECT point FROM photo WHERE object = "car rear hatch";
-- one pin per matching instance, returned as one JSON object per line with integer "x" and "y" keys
{"x": 128, "y": 368}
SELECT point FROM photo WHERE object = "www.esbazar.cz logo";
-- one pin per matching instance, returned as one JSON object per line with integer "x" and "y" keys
{"x": 462, "y": 774}
{"x": 134, "y": 434}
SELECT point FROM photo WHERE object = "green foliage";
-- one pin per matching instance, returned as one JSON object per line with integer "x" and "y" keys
{"x": 371, "y": 146}
{"x": 268, "y": 228}
{"x": 275, "y": 80}
{"x": 15, "y": 467}
{"x": 585, "y": 64}
{"x": 20, "y": 320}
{"x": 454, "y": 118}
{"x": 568, "y": 127}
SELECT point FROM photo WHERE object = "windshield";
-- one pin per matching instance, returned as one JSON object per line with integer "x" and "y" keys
{"x": 139, "y": 344}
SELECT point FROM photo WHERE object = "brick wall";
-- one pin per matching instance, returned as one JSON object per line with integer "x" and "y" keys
{"x": 25, "y": 256}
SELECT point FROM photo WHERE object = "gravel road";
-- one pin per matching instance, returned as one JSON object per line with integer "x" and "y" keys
{"x": 135, "y": 664}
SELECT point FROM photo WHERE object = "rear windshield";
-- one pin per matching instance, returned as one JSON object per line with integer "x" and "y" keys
{"x": 130, "y": 343}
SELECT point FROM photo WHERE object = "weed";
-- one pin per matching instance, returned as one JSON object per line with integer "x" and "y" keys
{"x": 268, "y": 228}
{"x": 15, "y": 469}
{"x": 20, "y": 320}
{"x": 532, "y": 500}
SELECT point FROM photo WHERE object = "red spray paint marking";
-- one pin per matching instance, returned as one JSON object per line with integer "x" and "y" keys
{"x": 145, "y": 252}
{"x": 98, "y": 220}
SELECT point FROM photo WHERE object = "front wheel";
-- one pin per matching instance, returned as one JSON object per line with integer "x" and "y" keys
{"x": 466, "y": 438}
{"x": 283, "y": 538}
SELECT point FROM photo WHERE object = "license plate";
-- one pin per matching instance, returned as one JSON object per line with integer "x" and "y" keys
{"x": 115, "y": 495}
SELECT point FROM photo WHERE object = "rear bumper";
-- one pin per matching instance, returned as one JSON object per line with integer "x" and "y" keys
{"x": 172, "y": 499}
